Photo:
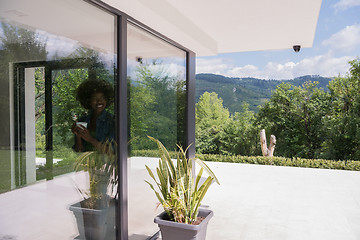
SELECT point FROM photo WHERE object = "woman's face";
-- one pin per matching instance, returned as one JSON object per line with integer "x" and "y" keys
{"x": 98, "y": 102}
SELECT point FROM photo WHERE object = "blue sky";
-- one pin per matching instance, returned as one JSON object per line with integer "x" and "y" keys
{"x": 337, "y": 40}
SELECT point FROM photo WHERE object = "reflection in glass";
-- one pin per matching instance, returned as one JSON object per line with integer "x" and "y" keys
{"x": 43, "y": 181}
{"x": 156, "y": 74}
{"x": 157, "y": 101}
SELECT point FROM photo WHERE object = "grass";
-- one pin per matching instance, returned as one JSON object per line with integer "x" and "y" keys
{"x": 66, "y": 165}
{"x": 5, "y": 171}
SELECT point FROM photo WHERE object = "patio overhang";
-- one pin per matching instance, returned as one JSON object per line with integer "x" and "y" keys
{"x": 209, "y": 27}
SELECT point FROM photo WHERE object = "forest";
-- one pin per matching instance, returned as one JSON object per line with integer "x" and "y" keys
{"x": 308, "y": 121}
{"x": 254, "y": 91}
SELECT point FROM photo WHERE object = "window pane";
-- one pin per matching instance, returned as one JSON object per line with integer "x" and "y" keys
{"x": 56, "y": 70}
{"x": 157, "y": 93}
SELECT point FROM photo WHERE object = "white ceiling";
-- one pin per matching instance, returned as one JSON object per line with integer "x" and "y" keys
{"x": 145, "y": 45}
{"x": 72, "y": 19}
{"x": 219, "y": 26}
{"x": 207, "y": 27}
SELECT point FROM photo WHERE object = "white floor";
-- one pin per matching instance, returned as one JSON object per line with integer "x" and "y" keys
{"x": 253, "y": 202}
{"x": 257, "y": 202}
{"x": 41, "y": 211}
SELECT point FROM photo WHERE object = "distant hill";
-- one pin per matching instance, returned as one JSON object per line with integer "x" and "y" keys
{"x": 235, "y": 91}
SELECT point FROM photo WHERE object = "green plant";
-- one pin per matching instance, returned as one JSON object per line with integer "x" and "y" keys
{"x": 150, "y": 153}
{"x": 282, "y": 161}
{"x": 103, "y": 174}
{"x": 179, "y": 194}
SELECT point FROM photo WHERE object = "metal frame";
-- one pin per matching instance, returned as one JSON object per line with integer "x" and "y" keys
{"x": 19, "y": 126}
{"x": 19, "y": 107}
{"x": 121, "y": 123}
{"x": 122, "y": 20}
{"x": 190, "y": 104}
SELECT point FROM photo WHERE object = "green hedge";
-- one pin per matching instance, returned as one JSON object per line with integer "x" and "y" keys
{"x": 149, "y": 153}
{"x": 275, "y": 161}
{"x": 281, "y": 161}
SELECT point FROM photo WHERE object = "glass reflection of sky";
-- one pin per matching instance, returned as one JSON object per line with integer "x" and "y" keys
{"x": 59, "y": 47}
{"x": 173, "y": 67}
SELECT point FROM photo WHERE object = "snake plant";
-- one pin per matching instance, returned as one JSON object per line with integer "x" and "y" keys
{"x": 102, "y": 169}
{"x": 180, "y": 193}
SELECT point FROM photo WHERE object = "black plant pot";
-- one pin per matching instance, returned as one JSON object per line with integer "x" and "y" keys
{"x": 94, "y": 224}
{"x": 180, "y": 231}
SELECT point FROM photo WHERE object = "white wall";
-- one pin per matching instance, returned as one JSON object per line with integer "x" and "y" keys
{"x": 30, "y": 125}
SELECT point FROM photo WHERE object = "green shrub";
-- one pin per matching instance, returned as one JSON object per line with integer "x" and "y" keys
{"x": 150, "y": 153}
{"x": 282, "y": 161}
{"x": 275, "y": 161}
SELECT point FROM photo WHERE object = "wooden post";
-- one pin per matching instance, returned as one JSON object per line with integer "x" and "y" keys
{"x": 267, "y": 152}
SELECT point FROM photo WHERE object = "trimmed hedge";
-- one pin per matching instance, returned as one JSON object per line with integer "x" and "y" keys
{"x": 281, "y": 161}
{"x": 150, "y": 153}
{"x": 275, "y": 161}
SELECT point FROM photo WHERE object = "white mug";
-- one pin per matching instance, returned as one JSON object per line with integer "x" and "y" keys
{"x": 82, "y": 124}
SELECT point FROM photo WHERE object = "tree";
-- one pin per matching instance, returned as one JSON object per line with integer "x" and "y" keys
{"x": 239, "y": 135}
{"x": 343, "y": 118}
{"x": 160, "y": 96}
{"x": 65, "y": 106}
{"x": 17, "y": 45}
{"x": 140, "y": 101}
{"x": 295, "y": 116}
{"x": 211, "y": 117}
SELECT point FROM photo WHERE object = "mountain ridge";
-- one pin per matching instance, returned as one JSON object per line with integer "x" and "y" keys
{"x": 254, "y": 91}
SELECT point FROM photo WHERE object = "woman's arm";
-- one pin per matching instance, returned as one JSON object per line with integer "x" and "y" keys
{"x": 84, "y": 133}
{"x": 75, "y": 129}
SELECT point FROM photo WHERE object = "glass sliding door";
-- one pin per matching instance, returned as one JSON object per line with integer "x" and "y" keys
{"x": 58, "y": 176}
{"x": 157, "y": 104}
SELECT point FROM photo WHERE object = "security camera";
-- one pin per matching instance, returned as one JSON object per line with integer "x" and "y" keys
{"x": 296, "y": 48}
{"x": 139, "y": 60}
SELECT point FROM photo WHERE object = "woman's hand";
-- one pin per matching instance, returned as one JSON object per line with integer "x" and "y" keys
{"x": 81, "y": 131}
{"x": 84, "y": 133}
{"x": 75, "y": 129}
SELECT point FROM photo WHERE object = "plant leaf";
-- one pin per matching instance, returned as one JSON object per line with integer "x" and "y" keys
{"x": 207, "y": 169}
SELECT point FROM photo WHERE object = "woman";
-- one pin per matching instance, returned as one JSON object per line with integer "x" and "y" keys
{"x": 98, "y": 125}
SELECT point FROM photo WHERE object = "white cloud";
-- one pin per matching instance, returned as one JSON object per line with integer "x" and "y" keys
{"x": 274, "y": 70}
{"x": 172, "y": 70}
{"x": 345, "y": 4}
{"x": 346, "y": 40}
{"x": 216, "y": 66}
{"x": 247, "y": 70}
{"x": 57, "y": 45}
{"x": 324, "y": 65}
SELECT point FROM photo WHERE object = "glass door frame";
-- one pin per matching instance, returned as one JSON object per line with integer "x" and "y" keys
{"x": 122, "y": 19}
{"x": 19, "y": 108}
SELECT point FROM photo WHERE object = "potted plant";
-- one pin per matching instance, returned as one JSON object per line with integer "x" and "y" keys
{"x": 94, "y": 219}
{"x": 180, "y": 194}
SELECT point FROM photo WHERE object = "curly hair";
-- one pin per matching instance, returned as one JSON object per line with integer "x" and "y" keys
{"x": 87, "y": 88}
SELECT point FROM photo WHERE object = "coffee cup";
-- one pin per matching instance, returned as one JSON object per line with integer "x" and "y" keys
{"x": 82, "y": 124}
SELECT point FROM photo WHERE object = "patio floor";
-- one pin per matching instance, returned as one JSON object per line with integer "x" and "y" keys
{"x": 257, "y": 202}
{"x": 253, "y": 202}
